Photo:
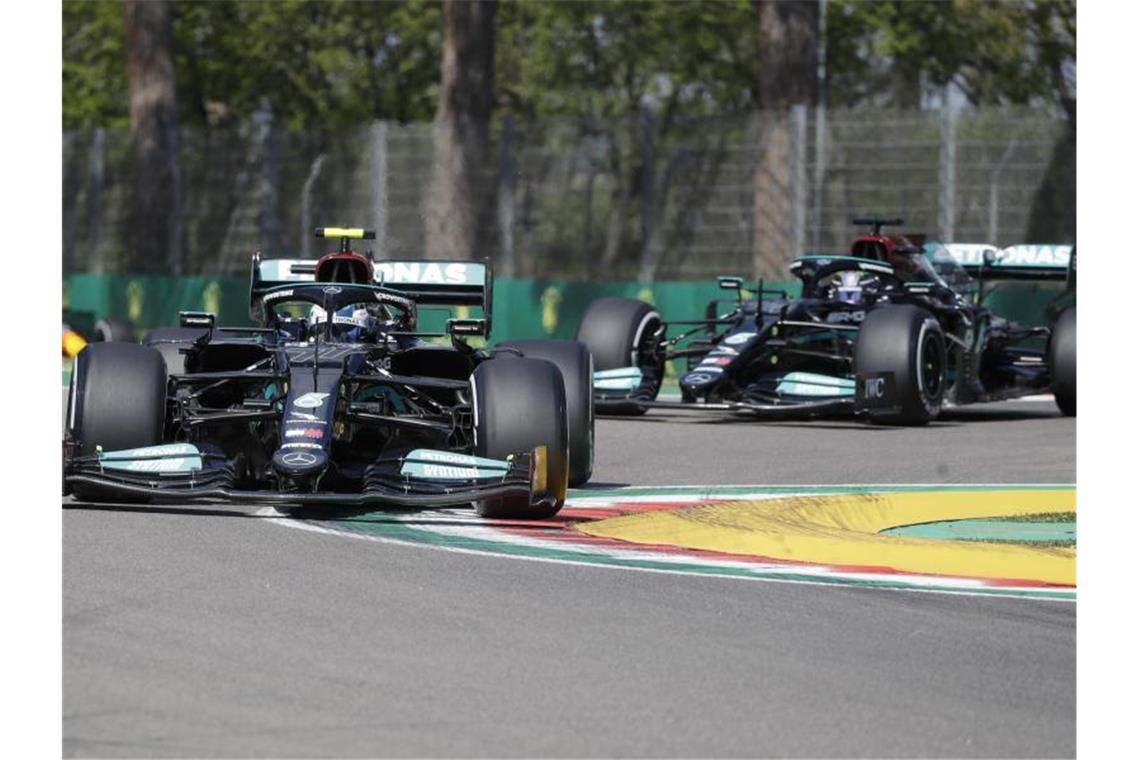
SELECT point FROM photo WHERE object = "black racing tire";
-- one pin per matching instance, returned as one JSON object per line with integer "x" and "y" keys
{"x": 907, "y": 341}
{"x": 117, "y": 401}
{"x": 615, "y": 330}
{"x": 1063, "y": 361}
{"x": 520, "y": 404}
{"x": 169, "y": 340}
{"x": 112, "y": 329}
{"x": 574, "y": 362}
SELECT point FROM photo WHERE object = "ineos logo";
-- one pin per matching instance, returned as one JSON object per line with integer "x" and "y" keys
{"x": 873, "y": 387}
{"x": 299, "y": 458}
{"x": 331, "y": 290}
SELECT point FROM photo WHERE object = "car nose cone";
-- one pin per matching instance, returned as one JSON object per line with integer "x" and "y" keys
{"x": 298, "y": 462}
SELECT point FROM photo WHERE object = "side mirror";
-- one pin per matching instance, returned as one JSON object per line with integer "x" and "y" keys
{"x": 730, "y": 283}
{"x": 467, "y": 327}
{"x": 196, "y": 319}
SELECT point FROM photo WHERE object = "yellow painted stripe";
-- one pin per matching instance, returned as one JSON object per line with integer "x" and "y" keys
{"x": 844, "y": 530}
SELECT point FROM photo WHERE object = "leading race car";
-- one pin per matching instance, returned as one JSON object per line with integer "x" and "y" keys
{"x": 335, "y": 399}
{"x": 891, "y": 332}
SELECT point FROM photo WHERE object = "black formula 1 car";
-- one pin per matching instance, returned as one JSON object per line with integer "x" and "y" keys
{"x": 335, "y": 399}
{"x": 893, "y": 331}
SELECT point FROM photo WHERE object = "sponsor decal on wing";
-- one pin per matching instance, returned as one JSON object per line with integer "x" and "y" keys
{"x": 429, "y": 273}
{"x": 812, "y": 384}
{"x": 173, "y": 457}
{"x": 620, "y": 379}
{"x": 430, "y": 464}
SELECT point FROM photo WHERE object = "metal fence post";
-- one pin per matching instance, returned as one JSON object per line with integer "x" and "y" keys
{"x": 994, "y": 176}
{"x": 270, "y": 222}
{"x": 96, "y": 166}
{"x": 648, "y": 186}
{"x": 820, "y": 130}
{"x": 508, "y": 170}
{"x": 307, "y": 205}
{"x": 799, "y": 178}
{"x": 379, "y": 152}
{"x": 946, "y": 173}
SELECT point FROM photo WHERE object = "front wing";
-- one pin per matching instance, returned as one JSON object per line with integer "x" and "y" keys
{"x": 519, "y": 475}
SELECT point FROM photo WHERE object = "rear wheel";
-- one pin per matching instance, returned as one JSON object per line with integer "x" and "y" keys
{"x": 117, "y": 401}
{"x": 1063, "y": 361}
{"x": 907, "y": 342}
{"x": 616, "y": 331}
{"x": 113, "y": 329}
{"x": 521, "y": 404}
{"x": 573, "y": 360}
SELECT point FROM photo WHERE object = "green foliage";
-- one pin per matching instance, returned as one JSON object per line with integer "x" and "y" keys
{"x": 331, "y": 63}
{"x": 94, "y": 70}
{"x": 334, "y": 63}
{"x": 327, "y": 63}
{"x": 605, "y": 59}
{"x": 893, "y": 53}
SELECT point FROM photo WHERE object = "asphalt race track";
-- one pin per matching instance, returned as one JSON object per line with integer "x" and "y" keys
{"x": 215, "y": 632}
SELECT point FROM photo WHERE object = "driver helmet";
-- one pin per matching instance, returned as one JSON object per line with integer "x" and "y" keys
{"x": 350, "y": 323}
{"x": 849, "y": 290}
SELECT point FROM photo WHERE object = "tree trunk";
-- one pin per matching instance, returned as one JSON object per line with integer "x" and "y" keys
{"x": 787, "y": 32}
{"x": 155, "y": 236}
{"x": 458, "y": 198}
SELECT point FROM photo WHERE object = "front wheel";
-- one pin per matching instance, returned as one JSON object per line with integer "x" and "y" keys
{"x": 574, "y": 362}
{"x": 905, "y": 342}
{"x": 117, "y": 401}
{"x": 1063, "y": 361}
{"x": 619, "y": 332}
{"x": 521, "y": 404}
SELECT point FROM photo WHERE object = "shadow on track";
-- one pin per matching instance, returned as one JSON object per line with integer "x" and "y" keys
{"x": 951, "y": 417}
{"x": 315, "y": 514}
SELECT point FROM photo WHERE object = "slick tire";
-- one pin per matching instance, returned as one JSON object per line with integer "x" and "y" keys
{"x": 1063, "y": 361}
{"x": 117, "y": 400}
{"x": 168, "y": 341}
{"x": 615, "y": 330}
{"x": 520, "y": 404}
{"x": 908, "y": 342}
{"x": 572, "y": 360}
{"x": 112, "y": 329}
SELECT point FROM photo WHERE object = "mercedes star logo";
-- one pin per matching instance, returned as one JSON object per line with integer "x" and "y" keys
{"x": 299, "y": 458}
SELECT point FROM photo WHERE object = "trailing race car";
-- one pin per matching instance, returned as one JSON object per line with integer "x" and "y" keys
{"x": 335, "y": 398}
{"x": 893, "y": 331}
{"x": 81, "y": 328}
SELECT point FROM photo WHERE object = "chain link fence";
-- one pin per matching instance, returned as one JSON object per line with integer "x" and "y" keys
{"x": 646, "y": 197}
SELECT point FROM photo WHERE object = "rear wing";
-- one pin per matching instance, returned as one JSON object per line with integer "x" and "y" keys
{"x": 1017, "y": 262}
{"x": 427, "y": 282}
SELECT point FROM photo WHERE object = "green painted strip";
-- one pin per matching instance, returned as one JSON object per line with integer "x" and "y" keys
{"x": 989, "y": 530}
{"x": 739, "y": 491}
{"x": 395, "y": 529}
{"x": 391, "y": 526}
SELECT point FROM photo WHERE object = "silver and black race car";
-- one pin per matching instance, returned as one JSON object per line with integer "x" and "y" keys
{"x": 893, "y": 331}
{"x": 335, "y": 398}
